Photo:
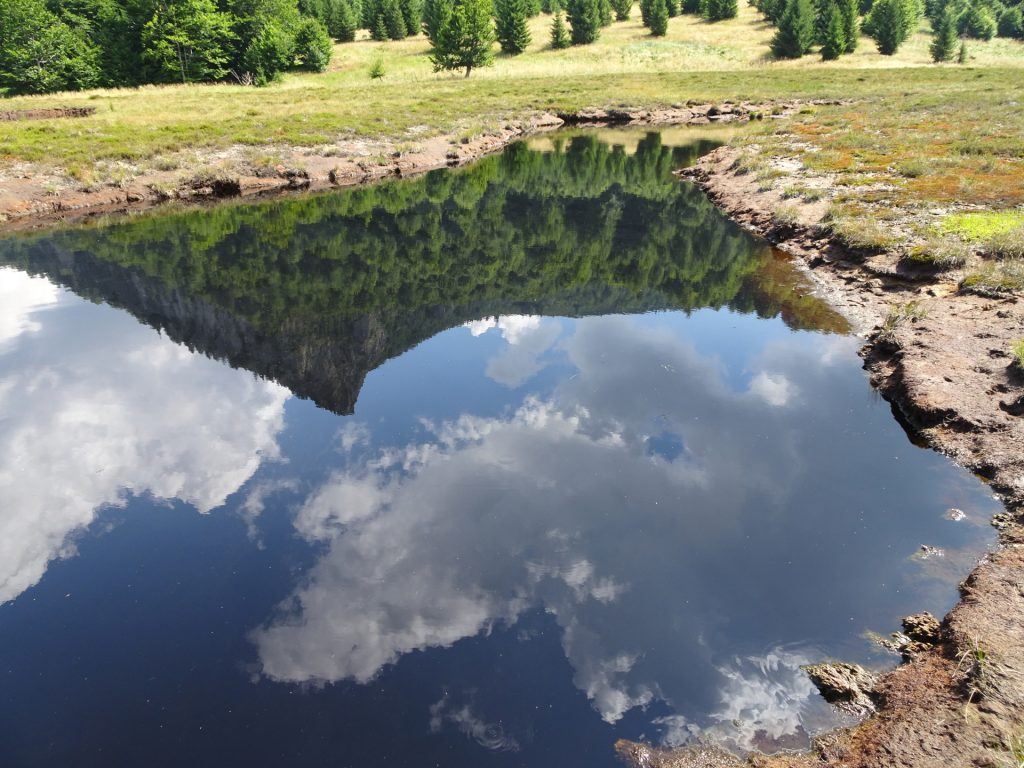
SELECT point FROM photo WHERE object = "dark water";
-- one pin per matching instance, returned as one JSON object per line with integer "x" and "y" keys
{"x": 537, "y": 455}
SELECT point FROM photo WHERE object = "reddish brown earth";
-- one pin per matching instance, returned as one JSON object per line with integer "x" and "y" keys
{"x": 959, "y": 702}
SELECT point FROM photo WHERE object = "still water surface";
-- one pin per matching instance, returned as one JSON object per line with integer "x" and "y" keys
{"x": 486, "y": 468}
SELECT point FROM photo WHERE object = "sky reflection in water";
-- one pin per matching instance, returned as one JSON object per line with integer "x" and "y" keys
{"x": 535, "y": 534}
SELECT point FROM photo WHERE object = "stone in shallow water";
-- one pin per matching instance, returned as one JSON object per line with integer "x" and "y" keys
{"x": 847, "y": 686}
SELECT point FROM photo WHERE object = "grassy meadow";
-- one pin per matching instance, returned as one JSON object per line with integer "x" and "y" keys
{"x": 148, "y": 127}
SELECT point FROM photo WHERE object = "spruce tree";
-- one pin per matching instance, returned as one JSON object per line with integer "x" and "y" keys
{"x": 605, "y": 9}
{"x": 559, "y": 34}
{"x": 944, "y": 44}
{"x": 343, "y": 22}
{"x": 379, "y": 30}
{"x": 622, "y": 9}
{"x": 890, "y": 25}
{"x": 510, "y": 23}
{"x": 658, "y": 15}
{"x": 645, "y": 12}
{"x": 962, "y": 56}
{"x": 394, "y": 21}
{"x": 718, "y": 10}
{"x": 851, "y": 24}
{"x": 434, "y": 14}
{"x": 412, "y": 14}
{"x": 834, "y": 44}
{"x": 584, "y": 20}
{"x": 464, "y": 37}
{"x": 796, "y": 30}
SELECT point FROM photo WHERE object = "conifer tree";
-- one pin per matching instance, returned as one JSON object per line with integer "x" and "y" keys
{"x": 944, "y": 44}
{"x": 510, "y": 23}
{"x": 658, "y": 15}
{"x": 434, "y": 13}
{"x": 962, "y": 56}
{"x": 464, "y": 37}
{"x": 851, "y": 24}
{"x": 834, "y": 44}
{"x": 584, "y": 20}
{"x": 645, "y": 12}
{"x": 412, "y": 14}
{"x": 605, "y": 9}
{"x": 890, "y": 23}
{"x": 394, "y": 21}
{"x": 559, "y": 34}
{"x": 796, "y": 30}
{"x": 342, "y": 22}
{"x": 718, "y": 10}
{"x": 622, "y": 9}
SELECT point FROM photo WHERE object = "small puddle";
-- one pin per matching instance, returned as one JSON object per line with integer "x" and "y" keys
{"x": 489, "y": 467}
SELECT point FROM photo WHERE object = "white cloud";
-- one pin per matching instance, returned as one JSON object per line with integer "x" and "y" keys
{"x": 96, "y": 407}
{"x": 20, "y": 296}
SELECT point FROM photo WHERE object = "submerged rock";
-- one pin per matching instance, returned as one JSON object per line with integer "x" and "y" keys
{"x": 847, "y": 686}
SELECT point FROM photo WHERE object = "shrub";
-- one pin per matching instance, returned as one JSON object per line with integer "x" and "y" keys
{"x": 1018, "y": 354}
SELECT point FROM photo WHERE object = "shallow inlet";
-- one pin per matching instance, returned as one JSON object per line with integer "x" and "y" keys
{"x": 539, "y": 454}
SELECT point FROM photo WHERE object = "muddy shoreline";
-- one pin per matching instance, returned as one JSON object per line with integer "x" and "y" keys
{"x": 959, "y": 699}
{"x": 31, "y": 198}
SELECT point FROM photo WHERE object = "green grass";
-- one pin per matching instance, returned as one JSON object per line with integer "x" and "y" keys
{"x": 983, "y": 225}
{"x": 1018, "y": 354}
{"x": 153, "y": 125}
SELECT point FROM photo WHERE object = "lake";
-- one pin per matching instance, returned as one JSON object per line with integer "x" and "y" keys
{"x": 487, "y": 467}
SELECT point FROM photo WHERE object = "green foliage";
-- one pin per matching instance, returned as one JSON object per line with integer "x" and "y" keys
{"x": 834, "y": 44}
{"x": 434, "y": 14}
{"x": 464, "y": 38}
{"x": 585, "y": 20}
{"x": 718, "y": 10}
{"x": 265, "y": 32}
{"x": 977, "y": 22}
{"x": 851, "y": 24}
{"x": 412, "y": 14}
{"x": 377, "y": 69}
{"x": 313, "y": 46}
{"x": 342, "y": 22}
{"x": 622, "y": 9}
{"x": 559, "y": 33}
{"x": 658, "y": 18}
{"x": 795, "y": 34}
{"x": 40, "y": 53}
{"x": 188, "y": 41}
{"x": 510, "y": 22}
{"x": 394, "y": 21}
{"x": 961, "y": 57}
{"x": 605, "y": 11}
{"x": 943, "y": 46}
{"x": 1011, "y": 23}
{"x": 890, "y": 23}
